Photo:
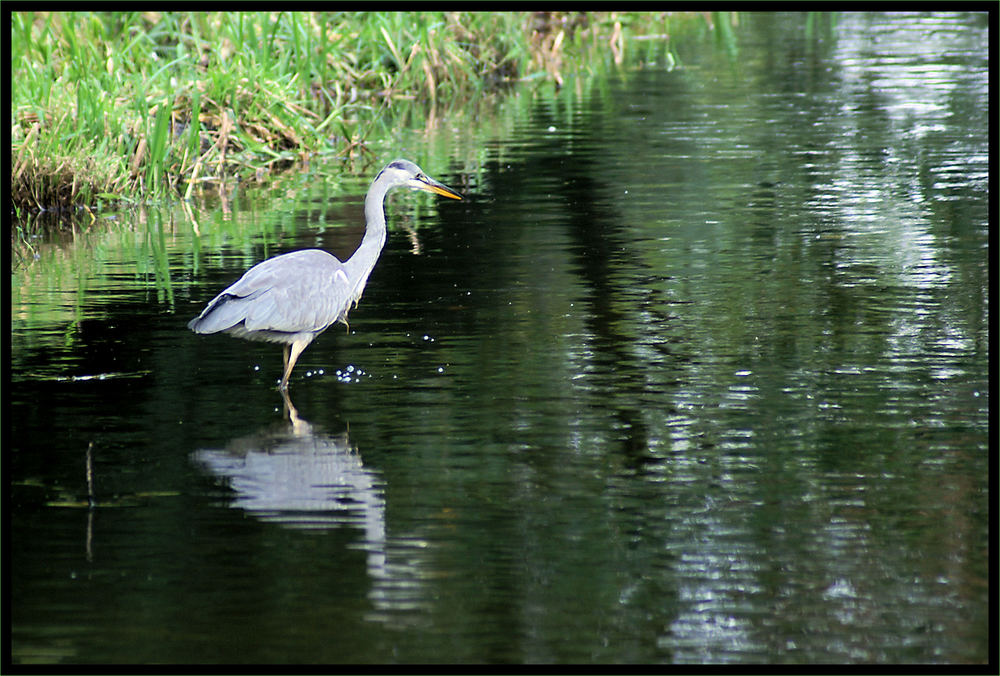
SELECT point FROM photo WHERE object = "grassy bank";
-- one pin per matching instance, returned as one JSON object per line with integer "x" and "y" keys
{"x": 126, "y": 106}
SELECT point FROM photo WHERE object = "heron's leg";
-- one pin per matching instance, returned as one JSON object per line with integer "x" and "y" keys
{"x": 300, "y": 427}
{"x": 291, "y": 356}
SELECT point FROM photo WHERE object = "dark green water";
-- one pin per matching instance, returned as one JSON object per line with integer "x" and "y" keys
{"x": 697, "y": 374}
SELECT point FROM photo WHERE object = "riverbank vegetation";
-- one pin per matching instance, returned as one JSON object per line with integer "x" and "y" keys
{"x": 129, "y": 106}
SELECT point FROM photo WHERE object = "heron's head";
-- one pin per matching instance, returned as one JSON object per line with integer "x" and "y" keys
{"x": 403, "y": 173}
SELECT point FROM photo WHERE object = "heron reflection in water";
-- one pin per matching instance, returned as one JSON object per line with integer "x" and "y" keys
{"x": 294, "y": 297}
{"x": 295, "y": 474}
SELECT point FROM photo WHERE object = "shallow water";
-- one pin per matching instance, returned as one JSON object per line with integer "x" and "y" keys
{"x": 696, "y": 374}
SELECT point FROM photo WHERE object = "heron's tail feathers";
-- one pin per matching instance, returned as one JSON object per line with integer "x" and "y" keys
{"x": 225, "y": 312}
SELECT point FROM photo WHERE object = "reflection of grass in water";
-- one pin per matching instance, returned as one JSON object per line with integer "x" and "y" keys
{"x": 55, "y": 277}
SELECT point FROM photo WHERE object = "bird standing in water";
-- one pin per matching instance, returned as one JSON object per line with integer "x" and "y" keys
{"x": 294, "y": 297}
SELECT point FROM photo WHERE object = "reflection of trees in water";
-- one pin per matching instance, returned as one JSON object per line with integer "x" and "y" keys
{"x": 293, "y": 474}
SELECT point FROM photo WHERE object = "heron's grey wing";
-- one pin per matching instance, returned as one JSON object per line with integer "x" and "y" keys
{"x": 305, "y": 291}
{"x": 301, "y": 291}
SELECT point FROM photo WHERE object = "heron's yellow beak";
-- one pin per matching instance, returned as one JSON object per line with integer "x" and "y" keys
{"x": 431, "y": 185}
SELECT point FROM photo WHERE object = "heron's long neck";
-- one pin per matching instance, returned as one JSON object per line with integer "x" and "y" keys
{"x": 360, "y": 265}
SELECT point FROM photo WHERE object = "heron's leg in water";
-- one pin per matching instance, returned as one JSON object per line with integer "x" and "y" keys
{"x": 291, "y": 356}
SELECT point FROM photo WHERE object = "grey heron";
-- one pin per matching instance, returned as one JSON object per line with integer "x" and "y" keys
{"x": 294, "y": 297}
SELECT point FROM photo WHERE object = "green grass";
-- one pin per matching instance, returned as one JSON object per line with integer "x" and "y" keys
{"x": 128, "y": 106}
